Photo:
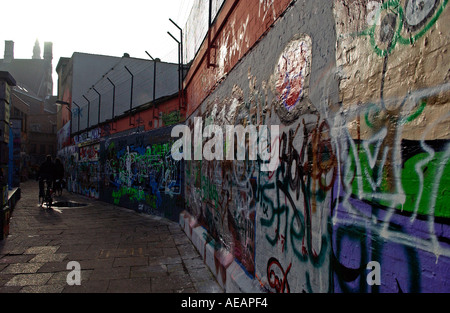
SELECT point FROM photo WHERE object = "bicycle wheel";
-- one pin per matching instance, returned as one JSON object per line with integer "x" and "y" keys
{"x": 48, "y": 201}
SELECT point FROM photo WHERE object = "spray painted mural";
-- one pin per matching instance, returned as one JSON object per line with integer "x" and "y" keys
{"x": 69, "y": 158}
{"x": 89, "y": 171}
{"x": 138, "y": 172}
{"x": 392, "y": 193}
{"x": 82, "y": 169}
{"x": 363, "y": 173}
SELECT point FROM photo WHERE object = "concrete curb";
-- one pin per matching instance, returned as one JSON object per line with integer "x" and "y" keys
{"x": 229, "y": 274}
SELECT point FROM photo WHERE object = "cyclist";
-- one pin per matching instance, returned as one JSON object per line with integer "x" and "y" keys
{"x": 46, "y": 173}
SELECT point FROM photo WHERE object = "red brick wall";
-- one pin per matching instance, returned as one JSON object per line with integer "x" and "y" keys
{"x": 142, "y": 118}
{"x": 238, "y": 27}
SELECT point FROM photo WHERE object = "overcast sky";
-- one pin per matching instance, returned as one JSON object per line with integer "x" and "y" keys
{"x": 107, "y": 27}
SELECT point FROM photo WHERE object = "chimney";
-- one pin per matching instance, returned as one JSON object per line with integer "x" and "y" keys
{"x": 36, "y": 51}
{"x": 9, "y": 51}
{"x": 48, "y": 51}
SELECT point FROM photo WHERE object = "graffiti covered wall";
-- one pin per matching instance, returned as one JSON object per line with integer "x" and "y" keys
{"x": 392, "y": 193}
{"x": 360, "y": 92}
{"x": 138, "y": 172}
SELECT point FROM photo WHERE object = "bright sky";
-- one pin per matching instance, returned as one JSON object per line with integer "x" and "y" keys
{"x": 107, "y": 27}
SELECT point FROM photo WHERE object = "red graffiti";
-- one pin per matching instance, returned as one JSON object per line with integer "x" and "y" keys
{"x": 280, "y": 285}
{"x": 283, "y": 239}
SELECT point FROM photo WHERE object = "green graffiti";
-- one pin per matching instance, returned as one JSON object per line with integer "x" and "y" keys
{"x": 403, "y": 120}
{"x": 133, "y": 194}
{"x": 209, "y": 191}
{"x": 394, "y": 7}
{"x": 171, "y": 118}
{"x": 414, "y": 115}
{"x": 150, "y": 200}
{"x": 418, "y": 178}
{"x": 413, "y": 188}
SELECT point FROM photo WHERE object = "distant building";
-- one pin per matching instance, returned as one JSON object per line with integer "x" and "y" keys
{"x": 75, "y": 76}
{"x": 99, "y": 91}
{"x": 33, "y": 109}
{"x": 35, "y": 74}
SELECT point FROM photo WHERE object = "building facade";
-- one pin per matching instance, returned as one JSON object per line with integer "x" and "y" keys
{"x": 33, "y": 109}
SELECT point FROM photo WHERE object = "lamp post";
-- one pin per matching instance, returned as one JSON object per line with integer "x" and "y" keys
{"x": 154, "y": 75}
{"x": 99, "y": 104}
{"x": 89, "y": 108}
{"x": 131, "y": 93}
{"x": 180, "y": 95}
{"x": 181, "y": 49}
{"x": 179, "y": 67}
{"x": 114, "y": 96}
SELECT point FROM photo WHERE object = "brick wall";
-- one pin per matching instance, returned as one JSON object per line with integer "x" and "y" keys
{"x": 238, "y": 27}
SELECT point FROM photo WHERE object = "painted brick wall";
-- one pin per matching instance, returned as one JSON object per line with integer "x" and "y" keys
{"x": 238, "y": 27}
{"x": 149, "y": 119}
{"x": 360, "y": 91}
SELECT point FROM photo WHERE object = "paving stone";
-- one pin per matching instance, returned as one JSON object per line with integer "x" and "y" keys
{"x": 110, "y": 273}
{"x": 59, "y": 278}
{"x": 4, "y": 278}
{"x": 96, "y": 264}
{"x": 42, "y": 250}
{"x": 95, "y": 286}
{"x": 57, "y": 257}
{"x": 171, "y": 252}
{"x": 43, "y": 289}
{"x": 132, "y": 285}
{"x": 194, "y": 263}
{"x": 176, "y": 282}
{"x": 66, "y": 248}
{"x": 149, "y": 271}
{"x": 8, "y": 259}
{"x": 29, "y": 279}
{"x": 50, "y": 267}
{"x": 164, "y": 260}
{"x": 131, "y": 261}
{"x": 10, "y": 289}
{"x": 23, "y": 268}
{"x": 177, "y": 267}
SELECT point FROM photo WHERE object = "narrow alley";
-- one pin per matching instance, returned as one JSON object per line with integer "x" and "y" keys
{"x": 117, "y": 249}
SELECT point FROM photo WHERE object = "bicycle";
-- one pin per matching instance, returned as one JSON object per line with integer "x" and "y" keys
{"x": 47, "y": 198}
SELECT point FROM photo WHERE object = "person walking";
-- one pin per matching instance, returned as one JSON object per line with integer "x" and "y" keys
{"x": 46, "y": 174}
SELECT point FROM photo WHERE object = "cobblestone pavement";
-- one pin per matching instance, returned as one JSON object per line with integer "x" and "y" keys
{"x": 118, "y": 250}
